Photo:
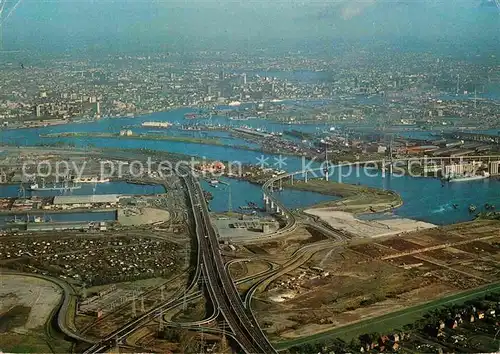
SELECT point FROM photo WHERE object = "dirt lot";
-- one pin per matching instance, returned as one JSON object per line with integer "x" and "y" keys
{"x": 143, "y": 216}
{"x": 244, "y": 269}
{"x": 37, "y": 295}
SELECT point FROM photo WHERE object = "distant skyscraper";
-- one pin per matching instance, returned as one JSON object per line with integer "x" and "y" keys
{"x": 244, "y": 79}
{"x": 98, "y": 107}
{"x": 209, "y": 90}
{"x": 221, "y": 75}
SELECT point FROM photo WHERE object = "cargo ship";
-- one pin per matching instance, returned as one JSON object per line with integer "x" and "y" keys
{"x": 66, "y": 186}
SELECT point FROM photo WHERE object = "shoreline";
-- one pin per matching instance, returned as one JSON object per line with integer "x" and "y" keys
{"x": 359, "y": 200}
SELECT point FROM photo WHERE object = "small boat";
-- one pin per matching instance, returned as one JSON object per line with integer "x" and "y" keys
{"x": 472, "y": 208}
{"x": 455, "y": 206}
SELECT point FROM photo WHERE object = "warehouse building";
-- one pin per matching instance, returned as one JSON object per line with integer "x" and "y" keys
{"x": 81, "y": 200}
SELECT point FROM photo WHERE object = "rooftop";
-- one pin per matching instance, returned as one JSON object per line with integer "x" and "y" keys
{"x": 86, "y": 199}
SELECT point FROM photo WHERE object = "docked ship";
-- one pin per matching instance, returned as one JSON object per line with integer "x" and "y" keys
{"x": 467, "y": 178}
{"x": 208, "y": 196}
{"x": 65, "y": 186}
{"x": 157, "y": 124}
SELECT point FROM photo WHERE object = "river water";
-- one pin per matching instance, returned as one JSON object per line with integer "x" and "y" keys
{"x": 424, "y": 198}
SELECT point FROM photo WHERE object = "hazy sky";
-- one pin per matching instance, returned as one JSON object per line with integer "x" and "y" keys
{"x": 100, "y": 25}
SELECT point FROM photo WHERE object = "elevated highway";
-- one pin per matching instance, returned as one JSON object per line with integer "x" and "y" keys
{"x": 221, "y": 288}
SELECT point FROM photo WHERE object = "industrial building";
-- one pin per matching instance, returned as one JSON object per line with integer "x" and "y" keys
{"x": 74, "y": 200}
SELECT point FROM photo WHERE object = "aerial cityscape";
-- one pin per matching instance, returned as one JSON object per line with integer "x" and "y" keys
{"x": 209, "y": 176}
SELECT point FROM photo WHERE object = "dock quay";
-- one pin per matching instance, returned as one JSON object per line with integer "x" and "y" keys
{"x": 483, "y": 138}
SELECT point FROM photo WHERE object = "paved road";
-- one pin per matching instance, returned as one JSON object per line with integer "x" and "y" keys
{"x": 221, "y": 288}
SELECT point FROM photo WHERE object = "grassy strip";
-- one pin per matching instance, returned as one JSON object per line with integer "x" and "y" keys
{"x": 391, "y": 321}
{"x": 139, "y": 137}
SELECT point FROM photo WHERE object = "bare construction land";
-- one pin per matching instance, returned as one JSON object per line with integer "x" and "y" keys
{"x": 340, "y": 284}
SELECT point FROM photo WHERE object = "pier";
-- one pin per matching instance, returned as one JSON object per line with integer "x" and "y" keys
{"x": 483, "y": 138}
